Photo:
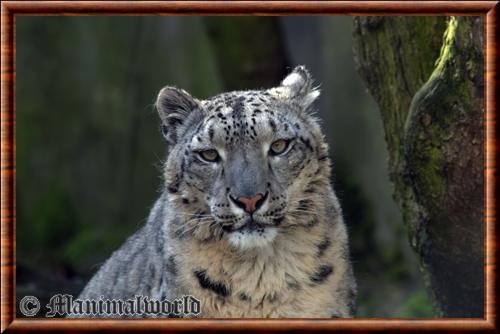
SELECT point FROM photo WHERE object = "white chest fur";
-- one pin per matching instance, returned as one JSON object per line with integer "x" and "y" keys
{"x": 279, "y": 280}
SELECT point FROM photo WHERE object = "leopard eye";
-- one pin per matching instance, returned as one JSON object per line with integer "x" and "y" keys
{"x": 209, "y": 155}
{"x": 279, "y": 146}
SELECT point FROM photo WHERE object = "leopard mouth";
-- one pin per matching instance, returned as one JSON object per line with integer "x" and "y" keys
{"x": 252, "y": 235}
{"x": 250, "y": 225}
{"x": 253, "y": 224}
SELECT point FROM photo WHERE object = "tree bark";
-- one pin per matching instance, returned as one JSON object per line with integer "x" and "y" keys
{"x": 249, "y": 50}
{"x": 426, "y": 75}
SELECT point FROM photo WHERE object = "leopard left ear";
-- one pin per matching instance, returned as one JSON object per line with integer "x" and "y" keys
{"x": 298, "y": 86}
{"x": 174, "y": 105}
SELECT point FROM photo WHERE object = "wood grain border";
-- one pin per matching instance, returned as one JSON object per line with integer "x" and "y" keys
{"x": 9, "y": 10}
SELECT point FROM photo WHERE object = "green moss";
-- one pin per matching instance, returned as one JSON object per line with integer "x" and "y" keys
{"x": 430, "y": 172}
{"x": 446, "y": 53}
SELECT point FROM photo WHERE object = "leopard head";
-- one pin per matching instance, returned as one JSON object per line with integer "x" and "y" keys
{"x": 243, "y": 165}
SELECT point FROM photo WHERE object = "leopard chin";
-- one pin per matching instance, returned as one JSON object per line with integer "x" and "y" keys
{"x": 249, "y": 237}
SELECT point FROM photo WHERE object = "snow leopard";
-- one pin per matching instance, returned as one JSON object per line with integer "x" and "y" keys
{"x": 247, "y": 222}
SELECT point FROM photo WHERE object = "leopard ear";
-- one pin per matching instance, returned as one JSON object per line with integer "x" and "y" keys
{"x": 298, "y": 86}
{"x": 174, "y": 105}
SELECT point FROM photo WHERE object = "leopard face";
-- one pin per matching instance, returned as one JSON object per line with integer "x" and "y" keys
{"x": 241, "y": 163}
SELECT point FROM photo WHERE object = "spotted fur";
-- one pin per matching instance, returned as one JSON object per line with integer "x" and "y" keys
{"x": 289, "y": 258}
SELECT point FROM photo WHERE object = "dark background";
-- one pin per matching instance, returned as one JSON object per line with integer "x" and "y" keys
{"x": 89, "y": 149}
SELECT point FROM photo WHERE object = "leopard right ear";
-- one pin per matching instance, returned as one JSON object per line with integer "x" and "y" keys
{"x": 174, "y": 105}
{"x": 298, "y": 87}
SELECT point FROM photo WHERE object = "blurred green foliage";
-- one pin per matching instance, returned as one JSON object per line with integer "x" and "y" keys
{"x": 89, "y": 149}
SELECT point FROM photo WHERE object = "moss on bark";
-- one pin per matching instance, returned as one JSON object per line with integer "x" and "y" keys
{"x": 431, "y": 103}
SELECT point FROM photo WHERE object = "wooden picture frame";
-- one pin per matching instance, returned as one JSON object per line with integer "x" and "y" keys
{"x": 12, "y": 9}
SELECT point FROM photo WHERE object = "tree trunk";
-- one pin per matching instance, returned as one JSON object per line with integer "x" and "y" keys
{"x": 426, "y": 75}
{"x": 249, "y": 51}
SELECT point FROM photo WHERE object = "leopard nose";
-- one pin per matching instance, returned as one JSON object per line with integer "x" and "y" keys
{"x": 249, "y": 204}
